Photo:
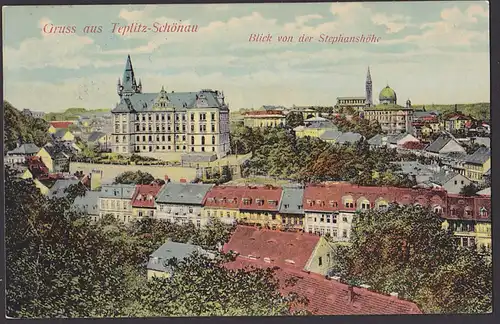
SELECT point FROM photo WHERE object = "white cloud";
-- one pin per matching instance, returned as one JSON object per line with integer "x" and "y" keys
{"x": 393, "y": 24}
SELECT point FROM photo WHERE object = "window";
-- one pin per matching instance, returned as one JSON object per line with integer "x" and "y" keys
{"x": 320, "y": 261}
{"x": 203, "y": 140}
{"x": 192, "y": 128}
{"x": 344, "y": 219}
{"x": 213, "y": 128}
{"x": 192, "y": 140}
{"x": 334, "y": 232}
{"x": 344, "y": 233}
{"x": 213, "y": 140}
{"x": 456, "y": 182}
{"x": 192, "y": 117}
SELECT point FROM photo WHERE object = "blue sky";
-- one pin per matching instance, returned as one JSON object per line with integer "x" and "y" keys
{"x": 430, "y": 52}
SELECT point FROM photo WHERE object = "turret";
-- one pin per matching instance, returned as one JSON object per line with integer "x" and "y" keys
{"x": 129, "y": 85}
{"x": 408, "y": 103}
{"x": 368, "y": 89}
{"x": 119, "y": 88}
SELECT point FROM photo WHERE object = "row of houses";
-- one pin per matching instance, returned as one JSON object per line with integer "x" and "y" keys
{"x": 305, "y": 257}
{"x": 324, "y": 209}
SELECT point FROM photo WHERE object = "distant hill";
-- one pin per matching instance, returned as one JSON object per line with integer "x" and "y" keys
{"x": 71, "y": 113}
{"x": 480, "y": 110}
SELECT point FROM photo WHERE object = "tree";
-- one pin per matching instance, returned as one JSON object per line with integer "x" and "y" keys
{"x": 294, "y": 119}
{"x": 137, "y": 177}
{"x": 469, "y": 190}
{"x": 20, "y": 129}
{"x": 202, "y": 286}
{"x": 408, "y": 252}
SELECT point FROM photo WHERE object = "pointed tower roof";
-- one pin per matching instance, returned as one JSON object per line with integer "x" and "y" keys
{"x": 368, "y": 76}
{"x": 128, "y": 79}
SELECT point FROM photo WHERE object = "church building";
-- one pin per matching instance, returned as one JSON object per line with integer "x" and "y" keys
{"x": 164, "y": 123}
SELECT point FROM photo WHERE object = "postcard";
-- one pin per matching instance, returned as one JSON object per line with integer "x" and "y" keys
{"x": 266, "y": 159}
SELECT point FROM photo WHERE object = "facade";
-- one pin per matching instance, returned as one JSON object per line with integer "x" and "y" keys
{"x": 99, "y": 140}
{"x": 20, "y": 153}
{"x": 157, "y": 266}
{"x": 116, "y": 199}
{"x": 223, "y": 202}
{"x": 181, "y": 203}
{"x": 88, "y": 204}
{"x": 143, "y": 201}
{"x": 314, "y": 129}
{"x": 182, "y": 122}
{"x": 55, "y": 157}
{"x": 478, "y": 164}
{"x": 291, "y": 211}
{"x": 455, "y": 123}
{"x": 450, "y": 181}
{"x": 264, "y": 118}
{"x": 469, "y": 218}
{"x": 393, "y": 118}
{"x": 260, "y": 206}
{"x": 330, "y": 208}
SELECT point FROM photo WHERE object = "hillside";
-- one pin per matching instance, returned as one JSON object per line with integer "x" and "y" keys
{"x": 71, "y": 113}
{"x": 480, "y": 110}
{"x": 25, "y": 129}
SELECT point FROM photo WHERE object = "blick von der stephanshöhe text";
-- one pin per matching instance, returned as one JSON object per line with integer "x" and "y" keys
{"x": 122, "y": 29}
{"x": 323, "y": 38}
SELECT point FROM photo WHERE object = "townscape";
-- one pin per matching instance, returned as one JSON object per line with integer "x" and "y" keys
{"x": 356, "y": 202}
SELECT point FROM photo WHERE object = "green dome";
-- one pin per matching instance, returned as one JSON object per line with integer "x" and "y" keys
{"x": 387, "y": 94}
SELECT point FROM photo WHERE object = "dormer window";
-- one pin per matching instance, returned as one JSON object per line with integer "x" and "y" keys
{"x": 267, "y": 260}
{"x": 309, "y": 201}
{"x": 289, "y": 261}
{"x": 252, "y": 257}
{"x": 483, "y": 212}
{"x": 235, "y": 200}
{"x": 332, "y": 203}
{"x": 286, "y": 206}
{"x": 318, "y": 202}
{"x": 271, "y": 202}
{"x": 260, "y": 202}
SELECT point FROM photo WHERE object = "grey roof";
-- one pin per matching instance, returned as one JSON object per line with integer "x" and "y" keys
{"x": 59, "y": 187}
{"x": 421, "y": 114}
{"x": 485, "y": 192}
{"x": 488, "y": 172}
{"x": 479, "y": 157}
{"x": 438, "y": 144}
{"x": 95, "y": 136}
{"x": 330, "y": 135}
{"x": 322, "y": 124}
{"x": 349, "y": 137}
{"x": 377, "y": 140}
{"x": 393, "y": 139}
{"x": 118, "y": 191}
{"x": 183, "y": 193}
{"x": 414, "y": 168}
{"x": 443, "y": 177}
{"x": 457, "y": 156}
{"x": 483, "y": 141}
{"x": 88, "y": 203}
{"x": 55, "y": 150}
{"x": 169, "y": 251}
{"x": 28, "y": 148}
{"x": 60, "y": 133}
{"x": 181, "y": 101}
{"x": 291, "y": 201}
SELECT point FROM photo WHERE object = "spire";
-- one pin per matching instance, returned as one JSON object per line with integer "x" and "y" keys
{"x": 129, "y": 84}
{"x": 368, "y": 76}
{"x": 369, "y": 89}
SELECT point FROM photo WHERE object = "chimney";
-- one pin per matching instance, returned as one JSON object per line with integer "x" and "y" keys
{"x": 350, "y": 294}
{"x": 95, "y": 179}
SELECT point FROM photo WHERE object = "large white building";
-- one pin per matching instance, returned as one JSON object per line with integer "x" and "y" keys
{"x": 168, "y": 122}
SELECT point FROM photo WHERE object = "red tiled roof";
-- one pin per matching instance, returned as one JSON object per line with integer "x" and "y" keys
{"x": 275, "y": 245}
{"x": 328, "y": 197}
{"x": 261, "y": 198}
{"x": 227, "y": 197}
{"x": 329, "y": 297}
{"x": 144, "y": 195}
{"x": 61, "y": 124}
{"x": 468, "y": 208}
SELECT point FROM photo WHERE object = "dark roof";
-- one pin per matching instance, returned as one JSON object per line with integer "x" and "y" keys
{"x": 168, "y": 251}
{"x": 58, "y": 149}
{"x": 117, "y": 191}
{"x": 60, "y": 186}
{"x": 377, "y": 140}
{"x": 60, "y": 133}
{"x": 183, "y": 193}
{"x": 438, "y": 144}
{"x": 443, "y": 177}
{"x": 95, "y": 136}
{"x": 330, "y": 135}
{"x": 28, "y": 148}
{"x": 349, "y": 137}
{"x": 88, "y": 203}
{"x": 479, "y": 157}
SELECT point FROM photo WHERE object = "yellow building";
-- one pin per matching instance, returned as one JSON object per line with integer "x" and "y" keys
{"x": 222, "y": 202}
{"x": 483, "y": 235}
{"x": 116, "y": 200}
{"x": 321, "y": 260}
{"x": 456, "y": 122}
{"x": 27, "y": 175}
{"x": 52, "y": 130}
{"x": 314, "y": 127}
{"x": 64, "y": 135}
{"x": 43, "y": 188}
{"x": 143, "y": 201}
{"x": 477, "y": 164}
{"x": 46, "y": 158}
{"x": 55, "y": 157}
{"x": 264, "y": 118}
{"x": 168, "y": 122}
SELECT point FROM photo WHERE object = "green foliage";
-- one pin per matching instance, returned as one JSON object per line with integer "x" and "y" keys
{"x": 202, "y": 286}
{"x": 358, "y": 125}
{"x": 294, "y": 119}
{"x": 480, "y": 110}
{"x": 469, "y": 190}
{"x": 470, "y": 149}
{"x": 60, "y": 265}
{"x": 71, "y": 114}
{"x": 131, "y": 177}
{"x": 281, "y": 155}
{"x": 405, "y": 250}
{"x": 24, "y": 129}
